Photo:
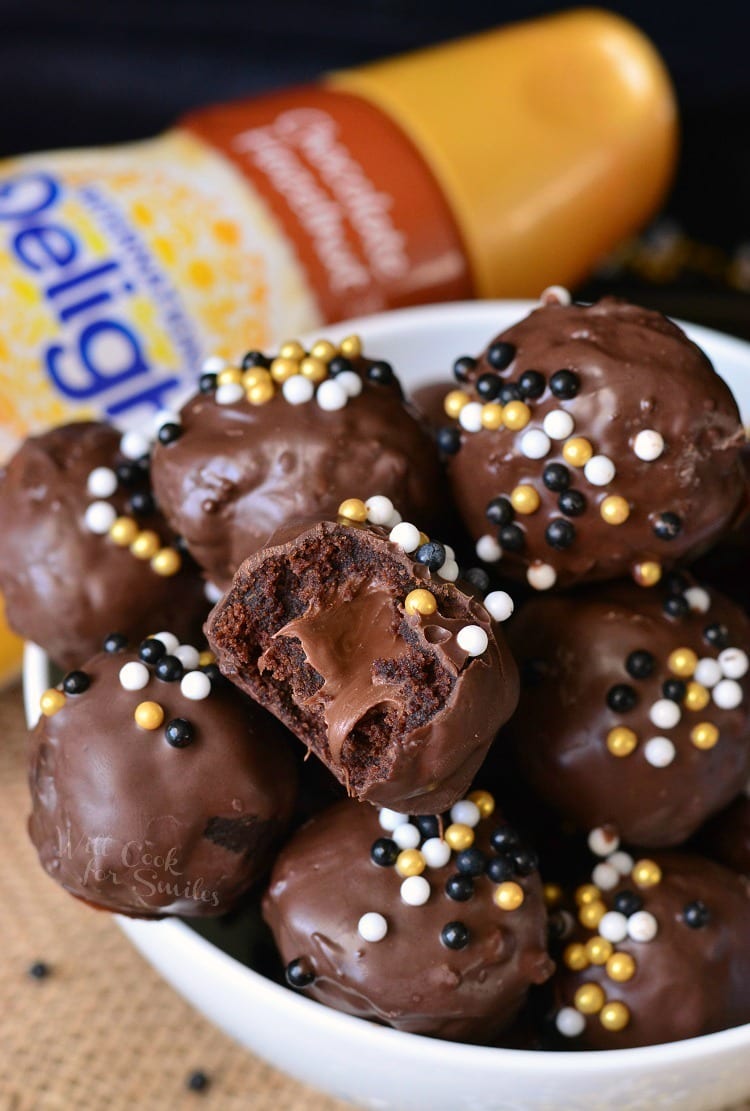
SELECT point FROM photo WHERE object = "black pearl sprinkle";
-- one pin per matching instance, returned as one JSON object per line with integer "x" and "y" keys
{"x": 565, "y": 384}
{"x": 504, "y": 839}
{"x": 512, "y": 538}
{"x": 197, "y": 1081}
{"x": 572, "y": 503}
{"x": 381, "y": 373}
{"x": 298, "y": 974}
{"x": 128, "y": 473}
{"x": 428, "y": 825}
{"x": 479, "y": 578}
{"x": 500, "y": 869}
{"x": 213, "y": 673}
{"x": 717, "y": 635}
{"x": 448, "y": 440}
{"x": 525, "y": 861}
{"x": 463, "y": 367}
{"x": 696, "y": 915}
{"x": 674, "y": 689}
{"x": 455, "y": 935}
{"x": 627, "y": 902}
{"x": 500, "y": 355}
{"x": 621, "y": 698}
{"x": 115, "y": 642}
{"x": 169, "y": 432}
{"x": 667, "y": 526}
{"x": 432, "y": 555}
{"x": 471, "y": 862}
{"x": 640, "y": 664}
{"x": 179, "y": 733}
{"x": 339, "y": 364}
{"x": 384, "y": 852}
{"x": 169, "y": 669}
{"x": 556, "y": 477}
{"x": 459, "y": 888}
{"x": 255, "y": 358}
{"x": 676, "y": 605}
{"x": 500, "y": 511}
{"x": 560, "y": 534}
{"x": 142, "y": 503}
{"x": 488, "y": 387}
{"x": 509, "y": 391}
{"x": 76, "y": 682}
{"x": 532, "y": 384}
{"x": 207, "y": 383}
{"x": 151, "y": 650}
{"x": 39, "y": 970}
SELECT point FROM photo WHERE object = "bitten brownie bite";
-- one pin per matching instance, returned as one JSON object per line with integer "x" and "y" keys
{"x": 591, "y": 442}
{"x": 382, "y": 917}
{"x": 634, "y": 706}
{"x": 83, "y": 547}
{"x": 659, "y": 956}
{"x": 357, "y": 636}
{"x": 282, "y": 439}
{"x": 156, "y": 788}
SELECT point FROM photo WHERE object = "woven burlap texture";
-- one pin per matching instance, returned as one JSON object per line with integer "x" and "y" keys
{"x": 102, "y": 1032}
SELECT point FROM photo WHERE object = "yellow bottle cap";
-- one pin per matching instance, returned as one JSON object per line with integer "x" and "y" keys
{"x": 552, "y": 140}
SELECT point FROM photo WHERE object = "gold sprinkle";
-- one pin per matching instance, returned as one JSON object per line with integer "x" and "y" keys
{"x": 410, "y": 862}
{"x": 577, "y": 451}
{"x": 420, "y": 601}
{"x": 516, "y": 415}
{"x": 615, "y": 1016}
{"x": 599, "y": 950}
{"x": 552, "y": 894}
{"x": 525, "y": 499}
{"x": 492, "y": 415}
{"x": 146, "y": 544}
{"x": 255, "y": 376}
{"x": 281, "y": 369}
{"x": 454, "y": 402}
{"x": 323, "y": 349}
{"x": 509, "y": 896}
{"x": 704, "y": 735}
{"x": 354, "y": 509}
{"x": 575, "y": 957}
{"x": 167, "y": 562}
{"x": 230, "y": 376}
{"x": 123, "y": 532}
{"x": 206, "y": 658}
{"x": 351, "y": 347}
{"x": 423, "y": 538}
{"x": 647, "y": 573}
{"x": 313, "y": 369}
{"x": 148, "y": 715}
{"x": 261, "y": 393}
{"x": 614, "y": 510}
{"x": 459, "y": 837}
{"x": 483, "y": 801}
{"x": 292, "y": 349}
{"x": 589, "y": 999}
{"x": 697, "y": 697}
{"x": 587, "y": 893}
{"x": 621, "y": 741}
{"x": 591, "y": 914}
{"x": 51, "y": 701}
{"x": 646, "y": 873}
{"x": 682, "y": 662}
{"x": 621, "y": 967}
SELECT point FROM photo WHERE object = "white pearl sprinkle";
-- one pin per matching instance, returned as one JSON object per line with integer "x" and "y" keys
{"x": 406, "y": 836}
{"x": 488, "y": 549}
{"x": 570, "y": 1022}
{"x": 229, "y": 394}
{"x": 448, "y": 571}
{"x": 214, "y": 364}
{"x": 648, "y": 445}
{"x": 499, "y": 605}
{"x": 379, "y": 509}
{"x": 642, "y": 926}
{"x": 298, "y": 390}
{"x": 541, "y": 576}
{"x": 659, "y": 752}
{"x": 733, "y": 663}
{"x": 196, "y": 686}
{"x": 622, "y": 861}
{"x": 134, "y": 676}
{"x": 437, "y": 853}
{"x": 350, "y": 382}
{"x": 665, "y": 713}
{"x": 698, "y": 599}
{"x": 391, "y": 819}
{"x": 535, "y": 444}
{"x": 415, "y": 890}
{"x": 169, "y": 640}
{"x": 599, "y": 471}
{"x": 134, "y": 445}
{"x": 472, "y": 639}
{"x": 99, "y": 517}
{"x": 602, "y": 842}
{"x": 605, "y": 876}
{"x": 466, "y": 813}
{"x": 406, "y": 536}
{"x": 558, "y": 424}
{"x": 188, "y": 656}
{"x": 470, "y": 417}
{"x": 331, "y": 396}
{"x": 727, "y": 694}
{"x": 555, "y": 295}
{"x": 395, "y": 519}
{"x": 613, "y": 926}
{"x": 449, "y": 553}
{"x": 707, "y": 672}
{"x": 212, "y": 592}
{"x": 102, "y": 482}
{"x": 372, "y": 926}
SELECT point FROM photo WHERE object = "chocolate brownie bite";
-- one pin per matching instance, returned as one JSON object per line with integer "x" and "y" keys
{"x": 431, "y": 925}
{"x": 156, "y": 787}
{"x": 83, "y": 547}
{"x": 591, "y": 442}
{"x": 726, "y": 837}
{"x": 634, "y": 709}
{"x": 282, "y": 439}
{"x": 658, "y": 955}
{"x": 356, "y": 634}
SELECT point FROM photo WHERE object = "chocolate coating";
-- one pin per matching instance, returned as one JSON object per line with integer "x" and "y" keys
{"x": 324, "y": 881}
{"x": 688, "y": 980}
{"x": 66, "y": 587}
{"x": 315, "y": 629}
{"x": 129, "y": 823}
{"x": 575, "y": 654}
{"x": 726, "y": 837}
{"x": 635, "y": 371}
{"x": 239, "y": 472}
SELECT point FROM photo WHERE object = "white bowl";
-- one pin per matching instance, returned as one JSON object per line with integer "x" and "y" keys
{"x": 381, "y": 1068}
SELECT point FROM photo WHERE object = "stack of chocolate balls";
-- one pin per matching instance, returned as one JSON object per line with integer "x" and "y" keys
{"x": 522, "y": 819}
